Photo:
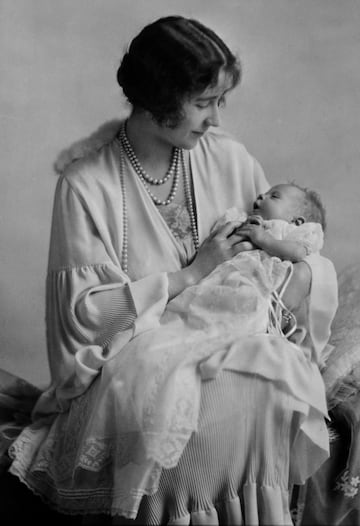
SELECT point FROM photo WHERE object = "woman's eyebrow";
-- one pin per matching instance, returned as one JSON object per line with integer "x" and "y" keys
{"x": 212, "y": 97}
{"x": 209, "y": 97}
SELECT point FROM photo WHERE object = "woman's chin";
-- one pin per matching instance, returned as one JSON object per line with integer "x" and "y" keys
{"x": 191, "y": 141}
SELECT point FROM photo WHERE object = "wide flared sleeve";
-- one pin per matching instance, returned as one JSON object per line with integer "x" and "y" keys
{"x": 90, "y": 299}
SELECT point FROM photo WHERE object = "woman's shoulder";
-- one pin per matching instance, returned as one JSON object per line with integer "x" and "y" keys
{"x": 86, "y": 158}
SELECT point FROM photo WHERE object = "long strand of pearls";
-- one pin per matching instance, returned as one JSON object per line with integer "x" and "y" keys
{"x": 189, "y": 203}
{"x": 124, "y": 252}
{"x": 188, "y": 200}
{"x": 145, "y": 178}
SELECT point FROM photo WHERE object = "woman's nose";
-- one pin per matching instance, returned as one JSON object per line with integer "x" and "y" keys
{"x": 213, "y": 119}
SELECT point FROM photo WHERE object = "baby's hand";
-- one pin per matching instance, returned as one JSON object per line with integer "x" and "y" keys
{"x": 251, "y": 220}
{"x": 253, "y": 231}
{"x": 255, "y": 220}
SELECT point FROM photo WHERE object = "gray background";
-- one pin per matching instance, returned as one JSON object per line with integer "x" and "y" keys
{"x": 297, "y": 111}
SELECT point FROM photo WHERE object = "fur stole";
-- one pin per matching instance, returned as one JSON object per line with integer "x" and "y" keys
{"x": 81, "y": 148}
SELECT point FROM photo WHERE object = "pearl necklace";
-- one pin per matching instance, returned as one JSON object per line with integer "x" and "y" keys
{"x": 124, "y": 251}
{"x": 145, "y": 178}
{"x": 188, "y": 199}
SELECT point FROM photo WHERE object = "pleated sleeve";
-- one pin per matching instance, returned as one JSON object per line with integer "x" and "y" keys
{"x": 90, "y": 300}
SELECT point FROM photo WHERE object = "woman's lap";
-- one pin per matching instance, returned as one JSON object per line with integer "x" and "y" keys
{"x": 236, "y": 463}
{"x": 232, "y": 465}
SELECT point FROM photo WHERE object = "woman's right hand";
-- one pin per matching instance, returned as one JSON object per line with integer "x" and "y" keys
{"x": 220, "y": 246}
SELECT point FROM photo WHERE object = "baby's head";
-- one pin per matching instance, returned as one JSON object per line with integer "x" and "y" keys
{"x": 291, "y": 203}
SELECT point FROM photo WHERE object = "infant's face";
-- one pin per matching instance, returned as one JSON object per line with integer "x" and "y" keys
{"x": 282, "y": 201}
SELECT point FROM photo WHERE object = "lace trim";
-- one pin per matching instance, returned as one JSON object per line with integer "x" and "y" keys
{"x": 177, "y": 218}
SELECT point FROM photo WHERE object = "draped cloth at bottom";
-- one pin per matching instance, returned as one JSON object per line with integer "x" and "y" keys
{"x": 250, "y": 447}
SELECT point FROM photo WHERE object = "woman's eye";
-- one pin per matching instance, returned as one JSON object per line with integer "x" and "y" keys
{"x": 220, "y": 103}
{"x": 204, "y": 104}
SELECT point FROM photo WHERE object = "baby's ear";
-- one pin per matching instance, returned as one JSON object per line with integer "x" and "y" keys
{"x": 298, "y": 220}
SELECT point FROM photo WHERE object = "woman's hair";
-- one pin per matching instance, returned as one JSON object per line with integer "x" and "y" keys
{"x": 312, "y": 207}
{"x": 169, "y": 60}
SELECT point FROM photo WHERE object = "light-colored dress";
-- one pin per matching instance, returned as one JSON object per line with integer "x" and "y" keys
{"x": 257, "y": 403}
{"x": 208, "y": 323}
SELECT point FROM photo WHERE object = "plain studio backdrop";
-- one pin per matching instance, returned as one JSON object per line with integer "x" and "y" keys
{"x": 297, "y": 111}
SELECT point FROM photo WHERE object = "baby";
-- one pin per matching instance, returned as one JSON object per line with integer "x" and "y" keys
{"x": 287, "y": 222}
{"x": 234, "y": 318}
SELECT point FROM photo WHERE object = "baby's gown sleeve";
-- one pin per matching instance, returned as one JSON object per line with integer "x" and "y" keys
{"x": 310, "y": 235}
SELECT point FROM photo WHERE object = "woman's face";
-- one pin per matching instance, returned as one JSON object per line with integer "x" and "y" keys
{"x": 200, "y": 112}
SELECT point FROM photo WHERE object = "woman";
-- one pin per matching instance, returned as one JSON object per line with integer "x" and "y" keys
{"x": 130, "y": 231}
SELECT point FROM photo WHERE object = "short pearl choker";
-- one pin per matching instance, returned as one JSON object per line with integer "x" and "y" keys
{"x": 145, "y": 178}
{"x": 187, "y": 192}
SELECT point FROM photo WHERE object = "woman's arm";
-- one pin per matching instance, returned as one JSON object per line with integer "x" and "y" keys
{"x": 89, "y": 298}
{"x": 299, "y": 286}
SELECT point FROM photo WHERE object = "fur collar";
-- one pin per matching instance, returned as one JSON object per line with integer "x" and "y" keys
{"x": 79, "y": 149}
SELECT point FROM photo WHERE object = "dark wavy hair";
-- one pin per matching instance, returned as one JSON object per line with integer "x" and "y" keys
{"x": 171, "y": 59}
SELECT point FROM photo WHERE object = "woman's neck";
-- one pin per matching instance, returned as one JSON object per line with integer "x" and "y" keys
{"x": 155, "y": 154}
{"x": 152, "y": 151}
